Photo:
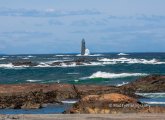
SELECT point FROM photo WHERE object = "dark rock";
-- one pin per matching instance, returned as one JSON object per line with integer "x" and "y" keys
{"x": 153, "y": 83}
{"x": 26, "y": 63}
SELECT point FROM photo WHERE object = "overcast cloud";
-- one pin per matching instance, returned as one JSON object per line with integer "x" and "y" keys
{"x": 57, "y": 26}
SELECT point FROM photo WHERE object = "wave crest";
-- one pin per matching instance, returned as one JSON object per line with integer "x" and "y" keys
{"x": 100, "y": 74}
{"x": 129, "y": 61}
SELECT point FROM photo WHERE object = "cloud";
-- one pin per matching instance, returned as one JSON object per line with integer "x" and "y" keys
{"x": 144, "y": 17}
{"x": 87, "y": 22}
{"x": 55, "y": 22}
{"x": 45, "y": 13}
{"x": 23, "y": 35}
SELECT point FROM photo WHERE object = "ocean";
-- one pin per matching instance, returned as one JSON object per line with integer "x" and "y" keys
{"x": 106, "y": 69}
{"x": 103, "y": 69}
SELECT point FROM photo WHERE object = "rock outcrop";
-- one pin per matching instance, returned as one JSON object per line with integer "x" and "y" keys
{"x": 113, "y": 103}
{"x": 153, "y": 83}
{"x": 24, "y": 63}
{"x": 35, "y": 95}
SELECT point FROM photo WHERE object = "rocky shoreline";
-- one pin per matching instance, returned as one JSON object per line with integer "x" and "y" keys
{"x": 92, "y": 98}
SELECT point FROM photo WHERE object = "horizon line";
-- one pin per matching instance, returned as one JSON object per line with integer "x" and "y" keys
{"x": 73, "y": 53}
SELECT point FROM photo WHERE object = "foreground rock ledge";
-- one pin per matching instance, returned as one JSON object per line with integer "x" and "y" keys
{"x": 33, "y": 96}
{"x": 113, "y": 103}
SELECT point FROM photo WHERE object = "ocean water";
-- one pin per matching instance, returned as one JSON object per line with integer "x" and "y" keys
{"x": 50, "y": 109}
{"x": 104, "y": 69}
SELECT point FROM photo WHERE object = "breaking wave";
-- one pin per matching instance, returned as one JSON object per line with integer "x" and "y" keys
{"x": 124, "y": 83}
{"x": 30, "y": 56}
{"x": 72, "y": 64}
{"x": 10, "y": 65}
{"x": 33, "y": 80}
{"x": 129, "y": 61}
{"x": 122, "y": 54}
{"x": 90, "y": 55}
{"x": 25, "y": 58}
{"x": 2, "y": 58}
{"x": 97, "y": 62}
{"x": 62, "y": 55}
{"x": 100, "y": 74}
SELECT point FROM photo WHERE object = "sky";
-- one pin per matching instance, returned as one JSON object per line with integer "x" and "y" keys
{"x": 58, "y": 26}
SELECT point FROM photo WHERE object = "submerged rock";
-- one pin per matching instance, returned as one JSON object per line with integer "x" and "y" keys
{"x": 30, "y": 105}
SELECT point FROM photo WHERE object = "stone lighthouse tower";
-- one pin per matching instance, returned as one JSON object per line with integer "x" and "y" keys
{"x": 83, "y": 47}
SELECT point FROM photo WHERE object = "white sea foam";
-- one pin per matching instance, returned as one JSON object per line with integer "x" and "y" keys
{"x": 30, "y": 56}
{"x": 69, "y": 101}
{"x": 33, "y": 80}
{"x": 100, "y": 74}
{"x": 63, "y": 64}
{"x": 2, "y": 58}
{"x": 42, "y": 64}
{"x": 74, "y": 73}
{"x": 155, "y": 102}
{"x": 10, "y": 65}
{"x": 122, "y": 54}
{"x": 87, "y": 52}
{"x": 5, "y": 56}
{"x": 129, "y": 61}
{"x": 25, "y": 58}
{"x": 76, "y": 80}
{"x": 152, "y": 95}
{"x": 90, "y": 55}
{"x": 62, "y": 55}
{"x": 124, "y": 83}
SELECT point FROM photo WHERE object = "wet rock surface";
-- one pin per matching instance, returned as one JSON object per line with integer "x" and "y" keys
{"x": 77, "y": 61}
{"x": 24, "y": 63}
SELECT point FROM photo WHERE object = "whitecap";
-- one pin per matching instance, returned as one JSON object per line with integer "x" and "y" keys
{"x": 5, "y": 56}
{"x": 90, "y": 55}
{"x": 30, "y": 56}
{"x": 76, "y": 80}
{"x": 62, "y": 55}
{"x": 124, "y": 83}
{"x": 87, "y": 52}
{"x": 33, "y": 80}
{"x": 25, "y": 58}
{"x": 123, "y": 60}
{"x": 2, "y": 58}
{"x": 122, "y": 54}
{"x": 9, "y": 65}
{"x": 100, "y": 74}
{"x": 63, "y": 64}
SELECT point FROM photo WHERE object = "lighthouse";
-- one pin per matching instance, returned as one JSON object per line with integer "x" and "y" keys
{"x": 83, "y": 48}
